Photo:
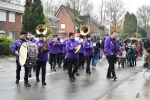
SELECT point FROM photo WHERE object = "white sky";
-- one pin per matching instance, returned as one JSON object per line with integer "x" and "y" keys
{"x": 130, "y": 5}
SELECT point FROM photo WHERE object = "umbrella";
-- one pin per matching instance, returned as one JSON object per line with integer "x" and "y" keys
{"x": 103, "y": 33}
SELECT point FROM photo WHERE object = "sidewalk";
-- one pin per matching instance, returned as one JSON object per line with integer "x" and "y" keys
{"x": 7, "y": 62}
{"x": 135, "y": 88}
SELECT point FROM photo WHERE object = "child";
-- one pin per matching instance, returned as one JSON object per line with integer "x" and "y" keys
{"x": 134, "y": 54}
{"x": 147, "y": 58}
{"x": 124, "y": 53}
{"x": 129, "y": 54}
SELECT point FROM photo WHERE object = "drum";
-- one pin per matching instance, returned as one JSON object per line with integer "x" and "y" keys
{"x": 23, "y": 54}
{"x": 28, "y": 54}
{"x": 121, "y": 59}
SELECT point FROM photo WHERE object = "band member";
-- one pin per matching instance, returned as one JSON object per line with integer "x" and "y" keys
{"x": 65, "y": 65}
{"x": 88, "y": 52}
{"x": 30, "y": 38}
{"x": 73, "y": 59}
{"x": 111, "y": 50}
{"x": 15, "y": 48}
{"x": 60, "y": 51}
{"x": 81, "y": 53}
{"x": 42, "y": 59}
{"x": 53, "y": 44}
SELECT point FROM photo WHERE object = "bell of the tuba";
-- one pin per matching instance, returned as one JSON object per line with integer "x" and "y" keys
{"x": 85, "y": 30}
{"x": 41, "y": 29}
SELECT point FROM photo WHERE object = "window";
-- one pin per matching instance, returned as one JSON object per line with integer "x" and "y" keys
{"x": 53, "y": 23}
{"x": 12, "y": 35}
{"x": 2, "y": 32}
{"x": 62, "y": 26}
{"x": 11, "y": 17}
{"x": 2, "y": 15}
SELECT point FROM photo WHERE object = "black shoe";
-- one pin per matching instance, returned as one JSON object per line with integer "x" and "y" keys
{"x": 74, "y": 77}
{"x": 17, "y": 81}
{"x": 82, "y": 67}
{"x": 63, "y": 68}
{"x": 72, "y": 80}
{"x": 38, "y": 80}
{"x": 30, "y": 76}
{"x": 54, "y": 69}
{"x": 115, "y": 77}
{"x": 60, "y": 66}
{"x": 27, "y": 84}
{"x": 77, "y": 74}
{"x": 109, "y": 77}
{"x": 43, "y": 83}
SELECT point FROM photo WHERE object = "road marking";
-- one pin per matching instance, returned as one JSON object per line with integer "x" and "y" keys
{"x": 39, "y": 76}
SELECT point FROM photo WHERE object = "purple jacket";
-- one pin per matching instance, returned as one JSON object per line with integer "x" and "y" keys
{"x": 64, "y": 46}
{"x": 109, "y": 46}
{"x": 42, "y": 56}
{"x": 81, "y": 49}
{"x": 53, "y": 47}
{"x": 87, "y": 50}
{"x": 70, "y": 47}
{"x": 15, "y": 47}
{"x": 60, "y": 47}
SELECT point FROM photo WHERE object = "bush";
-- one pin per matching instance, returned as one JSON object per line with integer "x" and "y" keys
{"x": 5, "y": 49}
{"x": 124, "y": 35}
{"x": 6, "y": 39}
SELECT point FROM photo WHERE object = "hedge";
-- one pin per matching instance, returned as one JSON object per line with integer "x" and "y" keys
{"x": 5, "y": 49}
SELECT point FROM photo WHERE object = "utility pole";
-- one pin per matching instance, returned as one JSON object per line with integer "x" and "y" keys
{"x": 137, "y": 31}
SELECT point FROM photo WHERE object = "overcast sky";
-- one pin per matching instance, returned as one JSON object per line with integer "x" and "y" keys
{"x": 130, "y": 5}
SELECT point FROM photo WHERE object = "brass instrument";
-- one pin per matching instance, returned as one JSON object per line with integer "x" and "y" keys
{"x": 84, "y": 30}
{"x": 42, "y": 29}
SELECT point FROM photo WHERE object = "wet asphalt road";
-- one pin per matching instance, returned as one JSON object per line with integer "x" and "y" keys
{"x": 86, "y": 87}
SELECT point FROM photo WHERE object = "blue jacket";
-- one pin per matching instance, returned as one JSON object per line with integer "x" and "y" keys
{"x": 53, "y": 48}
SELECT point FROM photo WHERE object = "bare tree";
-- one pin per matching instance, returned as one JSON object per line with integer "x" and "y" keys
{"x": 112, "y": 11}
{"x": 143, "y": 16}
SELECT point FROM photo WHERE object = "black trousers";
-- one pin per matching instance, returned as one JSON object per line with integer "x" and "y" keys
{"x": 81, "y": 60}
{"x": 59, "y": 58}
{"x": 18, "y": 69}
{"x": 65, "y": 60}
{"x": 111, "y": 61}
{"x": 72, "y": 70}
{"x": 52, "y": 61}
{"x": 88, "y": 61}
{"x": 39, "y": 65}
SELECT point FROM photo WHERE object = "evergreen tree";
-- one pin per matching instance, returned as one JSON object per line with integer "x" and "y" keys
{"x": 130, "y": 23}
{"x": 142, "y": 31}
{"x": 33, "y": 15}
{"x": 38, "y": 15}
{"x": 26, "y": 17}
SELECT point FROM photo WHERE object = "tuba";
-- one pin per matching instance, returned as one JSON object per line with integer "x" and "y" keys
{"x": 85, "y": 30}
{"x": 42, "y": 29}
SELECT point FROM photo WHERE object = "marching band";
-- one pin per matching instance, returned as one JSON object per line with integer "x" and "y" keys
{"x": 73, "y": 51}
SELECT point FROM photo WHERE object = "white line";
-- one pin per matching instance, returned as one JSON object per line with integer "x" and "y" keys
{"x": 39, "y": 76}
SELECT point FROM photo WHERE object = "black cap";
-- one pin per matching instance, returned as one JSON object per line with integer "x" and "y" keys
{"x": 23, "y": 32}
{"x": 71, "y": 33}
{"x": 88, "y": 35}
{"x": 41, "y": 35}
{"x": 54, "y": 35}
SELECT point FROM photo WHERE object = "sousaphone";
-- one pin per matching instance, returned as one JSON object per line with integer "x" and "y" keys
{"x": 84, "y": 31}
{"x": 42, "y": 29}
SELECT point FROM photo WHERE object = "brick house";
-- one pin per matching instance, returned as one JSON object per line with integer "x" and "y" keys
{"x": 10, "y": 19}
{"x": 70, "y": 23}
